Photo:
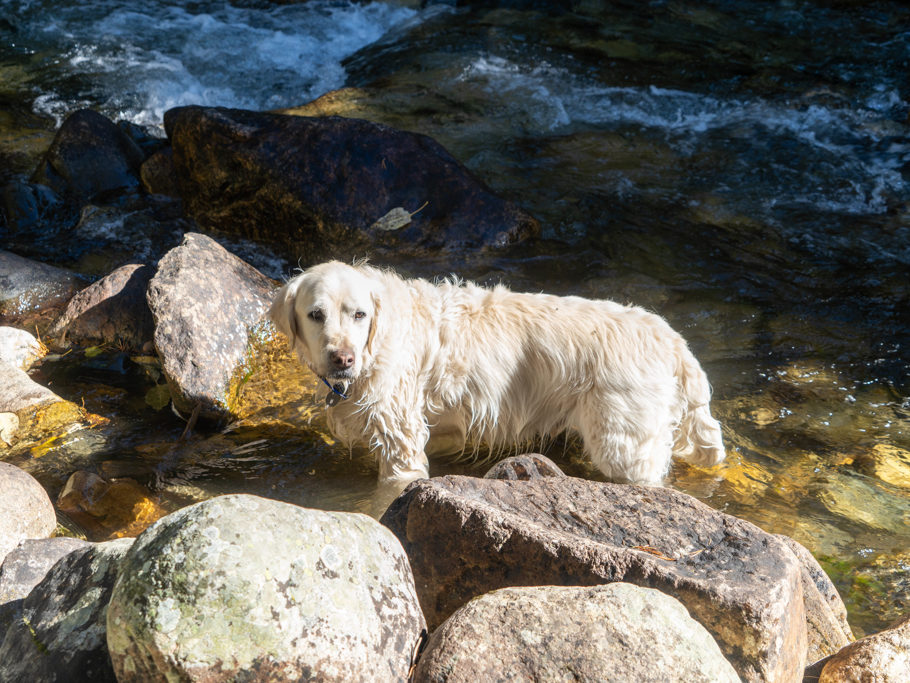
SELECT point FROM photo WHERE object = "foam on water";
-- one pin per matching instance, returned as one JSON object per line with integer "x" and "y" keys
{"x": 137, "y": 61}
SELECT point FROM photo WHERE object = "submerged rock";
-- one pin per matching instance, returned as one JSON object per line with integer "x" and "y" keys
{"x": 315, "y": 185}
{"x": 882, "y": 657}
{"x": 616, "y": 632}
{"x": 25, "y": 509}
{"x": 19, "y": 348}
{"x": 90, "y": 155}
{"x": 204, "y": 301}
{"x": 466, "y": 536}
{"x": 28, "y": 286}
{"x": 61, "y": 633}
{"x": 245, "y": 588}
{"x": 113, "y": 309}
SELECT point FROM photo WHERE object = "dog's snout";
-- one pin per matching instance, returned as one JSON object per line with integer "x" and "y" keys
{"x": 342, "y": 359}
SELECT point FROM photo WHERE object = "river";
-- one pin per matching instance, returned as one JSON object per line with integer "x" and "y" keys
{"x": 740, "y": 167}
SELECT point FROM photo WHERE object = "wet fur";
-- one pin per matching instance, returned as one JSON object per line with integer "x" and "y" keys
{"x": 494, "y": 366}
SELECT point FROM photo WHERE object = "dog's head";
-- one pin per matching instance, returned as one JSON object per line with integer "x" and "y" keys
{"x": 329, "y": 315}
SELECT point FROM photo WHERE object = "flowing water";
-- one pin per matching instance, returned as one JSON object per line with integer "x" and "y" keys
{"x": 742, "y": 168}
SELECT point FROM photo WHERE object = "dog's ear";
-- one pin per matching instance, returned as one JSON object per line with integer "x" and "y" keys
{"x": 374, "y": 322}
{"x": 282, "y": 313}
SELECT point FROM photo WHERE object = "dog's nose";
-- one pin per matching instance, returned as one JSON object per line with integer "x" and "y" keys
{"x": 342, "y": 359}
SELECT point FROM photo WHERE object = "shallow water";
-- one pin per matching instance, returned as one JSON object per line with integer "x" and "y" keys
{"x": 739, "y": 167}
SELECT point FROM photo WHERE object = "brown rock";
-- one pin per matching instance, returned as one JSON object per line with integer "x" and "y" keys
{"x": 157, "y": 174}
{"x": 880, "y": 658}
{"x": 467, "y": 536}
{"x": 25, "y": 509}
{"x": 204, "y": 301}
{"x": 524, "y": 467}
{"x": 113, "y": 309}
{"x": 316, "y": 185}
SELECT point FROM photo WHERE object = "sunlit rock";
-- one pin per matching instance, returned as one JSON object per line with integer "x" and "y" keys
{"x": 615, "y": 632}
{"x": 25, "y": 509}
{"x": 28, "y": 287}
{"x": 19, "y": 348}
{"x": 883, "y": 658}
{"x": 204, "y": 301}
{"x": 466, "y": 536}
{"x": 61, "y": 633}
{"x": 242, "y": 588}
{"x": 37, "y": 410}
{"x": 108, "y": 509}
{"x": 888, "y": 463}
{"x": 113, "y": 309}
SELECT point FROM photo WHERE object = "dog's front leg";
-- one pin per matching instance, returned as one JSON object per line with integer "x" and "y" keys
{"x": 399, "y": 447}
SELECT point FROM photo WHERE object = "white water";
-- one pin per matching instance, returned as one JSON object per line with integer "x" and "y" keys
{"x": 137, "y": 60}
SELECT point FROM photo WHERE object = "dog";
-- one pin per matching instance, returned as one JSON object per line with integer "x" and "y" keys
{"x": 404, "y": 359}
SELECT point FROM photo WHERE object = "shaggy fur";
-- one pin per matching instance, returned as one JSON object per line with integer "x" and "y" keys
{"x": 474, "y": 364}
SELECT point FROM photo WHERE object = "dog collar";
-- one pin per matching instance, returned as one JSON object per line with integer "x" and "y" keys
{"x": 336, "y": 395}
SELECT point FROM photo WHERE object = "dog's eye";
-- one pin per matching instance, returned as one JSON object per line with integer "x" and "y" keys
{"x": 316, "y": 316}
{"x": 360, "y": 315}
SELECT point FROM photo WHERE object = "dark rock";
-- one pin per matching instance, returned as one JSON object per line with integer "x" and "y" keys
{"x": 316, "y": 185}
{"x": 616, "y": 632}
{"x": 25, "y": 509}
{"x": 880, "y": 658}
{"x": 29, "y": 205}
{"x": 524, "y": 467}
{"x": 466, "y": 536}
{"x": 143, "y": 136}
{"x": 204, "y": 301}
{"x": 157, "y": 174}
{"x": 28, "y": 287}
{"x": 61, "y": 635}
{"x": 113, "y": 309}
{"x": 241, "y": 588}
{"x": 90, "y": 155}
{"x": 25, "y": 567}
{"x": 826, "y": 614}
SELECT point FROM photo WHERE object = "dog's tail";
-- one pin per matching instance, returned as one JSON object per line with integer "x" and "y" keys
{"x": 698, "y": 437}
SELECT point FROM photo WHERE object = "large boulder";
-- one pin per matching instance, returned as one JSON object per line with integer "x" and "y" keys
{"x": 244, "y": 588}
{"x": 466, "y": 536}
{"x": 90, "y": 155}
{"x": 204, "y": 301}
{"x": 880, "y": 658}
{"x": 25, "y": 508}
{"x": 318, "y": 185}
{"x": 113, "y": 309}
{"x": 616, "y": 632}
{"x": 27, "y": 286}
{"x": 61, "y": 634}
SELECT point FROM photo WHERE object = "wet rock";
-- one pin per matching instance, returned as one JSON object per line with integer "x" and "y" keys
{"x": 524, "y": 467}
{"x": 108, "y": 509}
{"x": 315, "y": 185}
{"x": 549, "y": 633}
{"x": 888, "y": 463}
{"x": 826, "y": 614}
{"x": 113, "y": 309}
{"x": 242, "y": 588}
{"x": 25, "y": 509}
{"x": 90, "y": 155}
{"x": 29, "y": 205}
{"x": 19, "y": 348}
{"x": 157, "y": 174}
{"x": 35, "y": 409}
{"x": 27, "y": 286}
{"x": 467, "y": 536}
{"x": 61, "y": 635}
{"x": 204, "y": 301}
{"x": 24, "y": 568}
{"x": 883, "y": 658}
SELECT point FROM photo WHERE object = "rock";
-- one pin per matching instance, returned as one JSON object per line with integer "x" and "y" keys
{"x": 19, "y": 348}
{"x": 33, "y": 408}
{"x": 90, "y": 155}
{"x": 61, "y": 635}
{"x": 244, "y": 588}
{"x": 826, "y": 614}
{"x": 466, "y": 536}
{"x": 27, "y": 286}
{"x": 157, "y": 174}
{"x": 108, "y": 509}
{"x": 616, "y": 632}
{"x": 315, "y": 185}
{"x": 25, "y": 509}
{"x": 889, "y": 463}
{"x": 880, "y": 658}
{"x": 24, "y": 568}
{"x": 113, "y": 309}
{"x": 29, "y": 205}
{"x": 204, "y": 301}
{"x": 9, "y": 425}
{"x": 524, "y": 467}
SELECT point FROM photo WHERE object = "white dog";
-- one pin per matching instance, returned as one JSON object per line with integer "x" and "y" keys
{"x": 407, "y": 358}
